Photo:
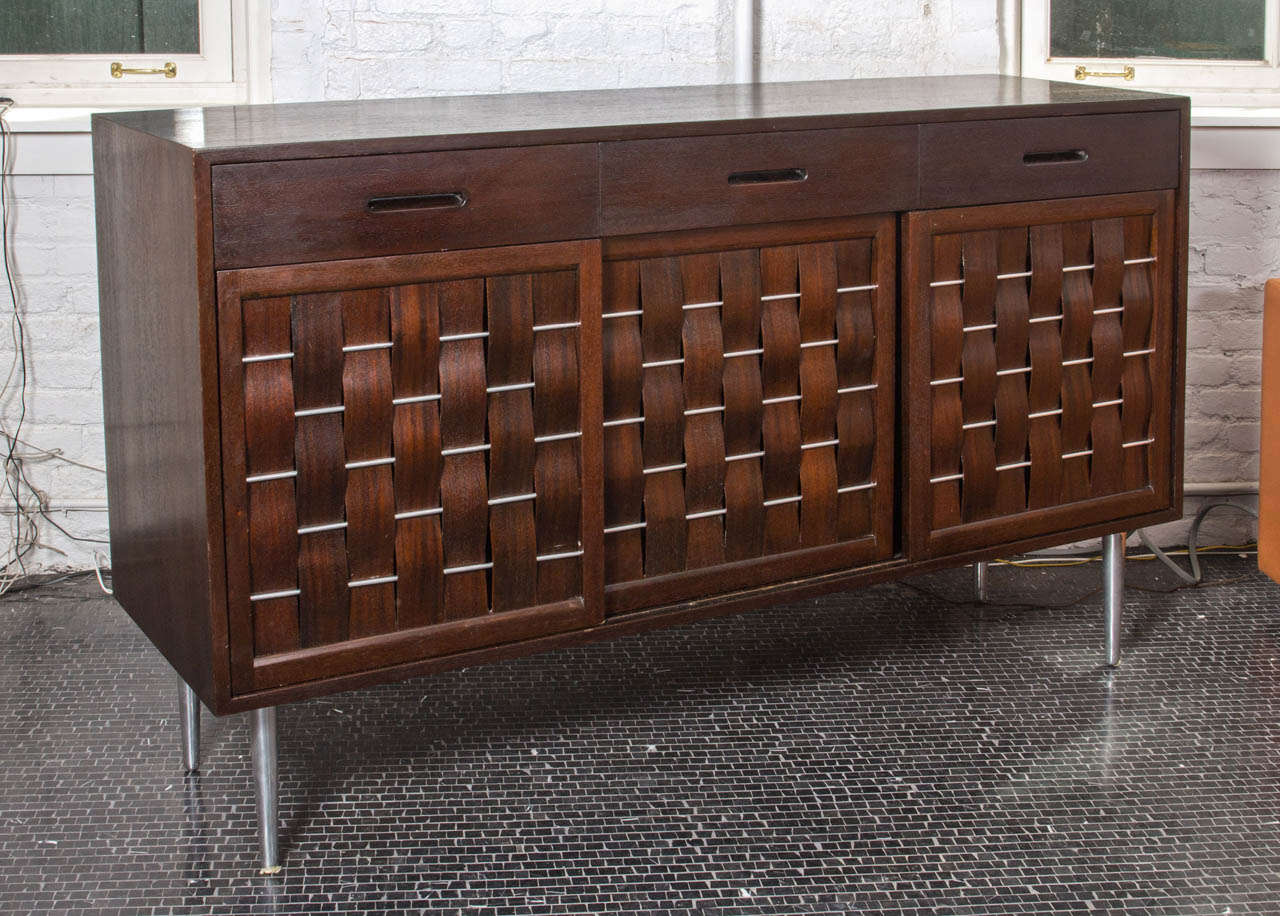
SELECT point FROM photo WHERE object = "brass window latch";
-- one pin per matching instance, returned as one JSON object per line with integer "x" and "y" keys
{"x": 1127, "y": 73}
{"x": 170, "y": 69}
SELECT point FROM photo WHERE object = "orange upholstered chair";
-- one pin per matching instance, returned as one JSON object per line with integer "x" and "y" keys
{"x": 1269, "y": 458}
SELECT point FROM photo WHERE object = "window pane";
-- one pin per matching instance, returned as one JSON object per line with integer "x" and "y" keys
{"x": 1191, "y": 29}
{"x": 100, "y": 27}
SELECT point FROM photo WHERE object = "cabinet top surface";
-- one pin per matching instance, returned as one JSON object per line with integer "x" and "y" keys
{"x": 307, "y": 129}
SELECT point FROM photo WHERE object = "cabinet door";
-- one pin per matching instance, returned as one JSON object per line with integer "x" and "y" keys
{"x": 748, "y": 424}
{"x": 405, "y": 467}
{"x": 1040, "y": 368}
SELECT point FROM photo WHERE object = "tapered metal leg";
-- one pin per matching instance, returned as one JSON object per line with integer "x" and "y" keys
{"x": 980, "y": 579}
{"x": 1113, "y": 592}
{"x": 189, "y": 713}
{"x": 264, "y": 776}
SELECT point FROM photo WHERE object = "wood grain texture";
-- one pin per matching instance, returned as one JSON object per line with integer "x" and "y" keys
{"x": 1046, "y": 400}
{"x": 663, "y": 185}
{"x": 749, "y": 399}
{"x": 157, "y": 328}
{"x": 320, "y": 209}
{"x": 351, "y": 534}
{"x": 322, "y": 129}
{"x": 984, "y": 161}
{"x": 388, "y": 496}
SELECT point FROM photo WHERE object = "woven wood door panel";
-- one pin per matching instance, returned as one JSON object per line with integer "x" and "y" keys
{"x": 748, "y": 410}
{"x": 1041, "y": 340}
{"x": 410, "y": 460}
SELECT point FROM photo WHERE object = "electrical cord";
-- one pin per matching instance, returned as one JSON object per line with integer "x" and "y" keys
{"x": 29, "y": 502}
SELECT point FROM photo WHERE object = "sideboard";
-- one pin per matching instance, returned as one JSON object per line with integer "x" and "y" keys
{"x": 399, "y": 386}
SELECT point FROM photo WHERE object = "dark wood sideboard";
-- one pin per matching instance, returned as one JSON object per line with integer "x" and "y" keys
{"x": 405, "y": 385}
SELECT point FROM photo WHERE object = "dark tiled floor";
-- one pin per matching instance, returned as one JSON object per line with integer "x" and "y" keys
{"x": 886, "y": 751}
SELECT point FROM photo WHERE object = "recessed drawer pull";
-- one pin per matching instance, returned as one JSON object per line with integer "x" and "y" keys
{"x": 1056, "y": 157}
{"x": 449, "y": 200}
{"x": 768, "y": 176}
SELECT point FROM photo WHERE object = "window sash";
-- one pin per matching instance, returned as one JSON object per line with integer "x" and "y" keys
{"x": 41, "y": 78}
{"x": 1206, "y": 80}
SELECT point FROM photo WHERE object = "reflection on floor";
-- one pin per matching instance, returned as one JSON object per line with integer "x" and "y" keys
{"x": 893, "y": 750}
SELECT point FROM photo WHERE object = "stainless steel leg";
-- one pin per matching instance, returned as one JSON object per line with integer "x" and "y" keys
{"x": 189, "y": 713}
{"x": 264, "y": 776}
{"x": 1113, "y": 592}
{"x": 980, "y": 579}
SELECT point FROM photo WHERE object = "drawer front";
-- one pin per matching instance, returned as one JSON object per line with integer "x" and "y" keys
{"x": 660, "y": 185}
{"x": 359, "y": 206}
{"x": 405, "y": 473}
{"x": 1040, "y": 348}
{"x": 748, "y": 421}
{"x": 1041, "y": 158}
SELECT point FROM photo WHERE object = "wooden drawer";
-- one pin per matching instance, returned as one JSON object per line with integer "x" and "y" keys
{"x": 360, "y": 206}
{"x": 1040, "y": 158}
{"x": 660, "y": 185}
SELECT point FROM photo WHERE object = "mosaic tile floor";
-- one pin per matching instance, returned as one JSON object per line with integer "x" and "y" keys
{"x": 889, "y": 751}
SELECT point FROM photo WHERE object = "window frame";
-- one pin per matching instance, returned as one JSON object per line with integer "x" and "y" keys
{"x": 1209, "y": 83}
{"x": 231, "y": 36}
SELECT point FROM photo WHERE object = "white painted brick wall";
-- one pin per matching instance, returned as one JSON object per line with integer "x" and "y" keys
{"x": 369, "y": 48}
{"x": 53, "y": 247}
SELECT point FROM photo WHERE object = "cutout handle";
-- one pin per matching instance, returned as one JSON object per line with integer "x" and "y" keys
{"x": 1057, "y": 157}
{"x": 450, "y": 200}
{"x": 768, "y": 176}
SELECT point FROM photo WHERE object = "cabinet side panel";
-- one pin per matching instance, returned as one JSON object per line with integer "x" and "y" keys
{"x": 153, "y": 400}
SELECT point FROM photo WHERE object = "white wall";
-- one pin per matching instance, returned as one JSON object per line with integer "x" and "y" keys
{"x": 373, "y": 48}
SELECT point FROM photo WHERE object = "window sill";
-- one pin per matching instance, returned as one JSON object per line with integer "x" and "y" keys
{"x": 1235, "y": 138}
